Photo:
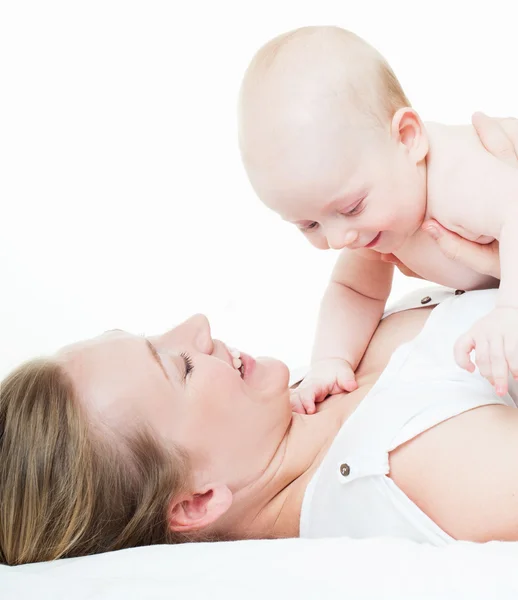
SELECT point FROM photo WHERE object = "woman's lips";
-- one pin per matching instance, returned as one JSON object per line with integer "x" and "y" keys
{"x": 248, "y": 365}
{"x": 374, "y": 241}
{"x": 242, "y": 362}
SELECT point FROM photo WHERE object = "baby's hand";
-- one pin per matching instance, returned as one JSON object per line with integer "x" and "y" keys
{"x": 328, "y": 376}
{"x": 495, "y": 341}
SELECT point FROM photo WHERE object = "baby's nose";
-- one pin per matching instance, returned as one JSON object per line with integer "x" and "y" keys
{"x": 338, "y": 239}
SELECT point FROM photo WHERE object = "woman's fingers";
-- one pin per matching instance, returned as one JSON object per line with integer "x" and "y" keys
{"x": 510, "y": 127}
{"x": 497, "y": 136}
{"x": 482, "y": 258}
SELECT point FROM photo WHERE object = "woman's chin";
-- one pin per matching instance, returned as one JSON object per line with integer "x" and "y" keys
{"x": 270, "y": 375}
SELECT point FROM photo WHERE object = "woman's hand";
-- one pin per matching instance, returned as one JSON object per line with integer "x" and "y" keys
{"x": 500, "y": 138}
{"x": 483, "y": 258}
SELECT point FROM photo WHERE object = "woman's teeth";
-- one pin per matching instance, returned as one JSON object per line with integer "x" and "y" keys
{"x": 236, "y": 360}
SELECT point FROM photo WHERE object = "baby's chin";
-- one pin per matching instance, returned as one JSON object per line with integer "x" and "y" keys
{"x": 390, "y": 243}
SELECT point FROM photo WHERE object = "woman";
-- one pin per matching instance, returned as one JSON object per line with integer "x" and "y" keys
{"x": 122, "y": 441}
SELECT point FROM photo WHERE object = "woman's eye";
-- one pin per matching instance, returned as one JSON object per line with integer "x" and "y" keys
{"x": 189, "y": 366}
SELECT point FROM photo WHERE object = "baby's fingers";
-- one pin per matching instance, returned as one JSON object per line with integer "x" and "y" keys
{"x": 462, "y": 349}
{"x": 483, "y": 359}
{"x": 308, "y": 395}
{"x": 308, "y": 402}
{"x": 511, "y": 355}
{"x": 344, "y": 379}
{"x": 347, "y": 381}
{"x": 498, "y": 365}
{"x": 296, "y": 403}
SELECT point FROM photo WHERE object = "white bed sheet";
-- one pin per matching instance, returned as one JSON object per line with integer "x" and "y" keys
{"x": 377, "y": 569}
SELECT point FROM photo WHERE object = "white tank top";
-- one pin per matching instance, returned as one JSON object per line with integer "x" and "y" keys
{"x": 422, "y": 386}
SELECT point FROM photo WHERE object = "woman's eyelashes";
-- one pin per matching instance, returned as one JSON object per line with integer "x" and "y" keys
{"x": 187, "y": 360}
{"x": 189, "y": 366}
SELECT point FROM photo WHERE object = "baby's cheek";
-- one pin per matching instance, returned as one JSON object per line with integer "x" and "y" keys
{"x": 317, "y": 240}
{"x": 390, "y": 220}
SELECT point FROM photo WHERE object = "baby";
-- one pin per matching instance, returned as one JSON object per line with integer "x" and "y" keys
{"x": 330, "y": 142}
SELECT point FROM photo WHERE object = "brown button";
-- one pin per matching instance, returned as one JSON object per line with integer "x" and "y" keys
{"x": 459, "y": 292}
{"x": 345, "y": 469}
{"x": 425, "y": 300}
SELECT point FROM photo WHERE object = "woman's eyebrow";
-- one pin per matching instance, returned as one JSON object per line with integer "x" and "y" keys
{"x": 156, "y": 358}
{"x": 152, "y": 350}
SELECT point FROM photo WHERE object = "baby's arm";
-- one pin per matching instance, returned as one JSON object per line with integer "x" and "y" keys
{"x": 350, "y": 311}
{"x": 352, "y": 306}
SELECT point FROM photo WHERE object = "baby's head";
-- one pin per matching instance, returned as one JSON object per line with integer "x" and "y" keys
{"x": 330, "y": 142}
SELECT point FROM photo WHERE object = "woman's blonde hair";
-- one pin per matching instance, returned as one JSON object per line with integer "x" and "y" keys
{"x": 67, "y": 491}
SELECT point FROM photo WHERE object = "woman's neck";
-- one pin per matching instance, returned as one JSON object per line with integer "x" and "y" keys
{"x": 271, "y": 507}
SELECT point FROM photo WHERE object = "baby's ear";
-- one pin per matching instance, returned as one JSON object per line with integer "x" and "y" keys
{"x": 408, "y": 129}
{"x": 198, "y": 510}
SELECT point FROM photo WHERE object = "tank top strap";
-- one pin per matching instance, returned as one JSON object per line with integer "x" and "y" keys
{"x": 388, "y": 418}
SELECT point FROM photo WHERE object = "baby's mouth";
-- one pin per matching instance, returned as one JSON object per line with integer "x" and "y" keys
{"x": 373, "y": 242}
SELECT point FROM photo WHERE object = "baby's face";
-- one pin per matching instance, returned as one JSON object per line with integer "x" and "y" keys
{"x": 341, "y": 185}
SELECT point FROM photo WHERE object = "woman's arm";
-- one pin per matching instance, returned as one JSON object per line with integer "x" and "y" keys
{"x": 463, "y": 474}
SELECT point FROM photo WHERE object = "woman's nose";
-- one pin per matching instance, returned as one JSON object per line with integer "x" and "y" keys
{"x": 193, "y": 333}
{"x": 199, "y": 328}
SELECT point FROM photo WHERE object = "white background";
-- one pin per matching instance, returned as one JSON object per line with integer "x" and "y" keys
{"x": 123, "y": 199}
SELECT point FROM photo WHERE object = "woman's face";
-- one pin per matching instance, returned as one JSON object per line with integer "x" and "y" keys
{"x": 185, "y": 387}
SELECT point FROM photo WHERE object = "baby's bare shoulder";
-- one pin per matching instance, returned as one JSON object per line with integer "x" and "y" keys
{"x": 468, "y": 188}
{"x": 455, "y": 154}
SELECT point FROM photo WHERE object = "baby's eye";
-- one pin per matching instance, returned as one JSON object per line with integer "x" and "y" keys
{"x": 355, "y": 210}
{"x": 308, "y": 227}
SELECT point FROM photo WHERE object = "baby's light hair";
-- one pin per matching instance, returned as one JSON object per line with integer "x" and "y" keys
{"x": 364, "y": 77}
